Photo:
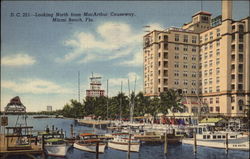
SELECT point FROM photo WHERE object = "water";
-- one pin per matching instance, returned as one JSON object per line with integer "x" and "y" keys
{"x": 180, "y": 151}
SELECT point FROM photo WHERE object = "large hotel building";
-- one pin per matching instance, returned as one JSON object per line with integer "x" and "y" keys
{"x": 208, "y": 58}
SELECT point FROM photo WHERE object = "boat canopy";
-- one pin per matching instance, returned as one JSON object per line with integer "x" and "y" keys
{"x": 211, "y": 121}
{"x": 87, "y": 134}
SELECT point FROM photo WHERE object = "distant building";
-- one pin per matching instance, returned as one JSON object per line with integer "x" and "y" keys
{"x": 49, "y": 108}
{"x": 207, "y": 58}
{"x": 95, "y": 87}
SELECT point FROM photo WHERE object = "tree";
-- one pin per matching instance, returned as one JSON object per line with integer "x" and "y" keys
{"x": 171, "y": 100}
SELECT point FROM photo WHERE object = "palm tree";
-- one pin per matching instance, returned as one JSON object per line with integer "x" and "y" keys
{"x": 171, "y": 100}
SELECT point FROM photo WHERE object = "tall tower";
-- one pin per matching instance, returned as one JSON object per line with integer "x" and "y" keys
{"x": 95, "y": 87}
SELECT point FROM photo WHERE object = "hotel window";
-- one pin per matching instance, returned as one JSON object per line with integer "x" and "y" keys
{"x": 205, "y": 100}
{"x": 205, "y": 55}
{"x": 205, "y": 82}
{"x": 165, "y": 73}
{"x": 210, "y": 63}
{"x": 206, "y": 46}
{"x": 165, "y": 55}
{"x": 159, "y": 46}
{"x": 217, "y": 109}
{"x": 165, "y": 63}
{"x": 210, "y": 80}
{"x": 241, "y": 39}
{"x": 194, "y": 39}
{"x": 211, "y": 100}
{"x": 185, "y": 56}
{"x": 185, "y": 48}
{"x": 193, "y": 74}
{"x": 240, "y": 77}
{"x": 200, "y": 57}
{"x": 159, "y": 37}
{"x": 240, "y": 87}
{"x": 232, "y": 99}
{"x": 185, "y": 82}
{"x": 217, "y": 70}
{"x": 241, "y": 28}
{"x": 184, "y": 91}
{"x": 177, "y": 37}
{"x": 159, "y": 54}
{"x": 205, "y": 73}
{"x": 193, "y": 57}
{"x": 176, "y": 47}
{"x": 193, "y": 82}
{"x": 165, "y": 38}
{"x": 210, "y": 45}
{"x": 210, "y": 54}
{"x": 176, "y": 56}
{"x": 193, "y": 91}
{"x": 185, "y": 65}
{"x": 211, "y": 109}
{"x": 210, "y": 71}
{"x": 206, "y": 37}
{"x": 165, "y": 81}
{"x": 194, "y": 49}
{"x": 211, "y": 35}
{"x": 218, "y": 43}
{"x": 194, "y": 66}
{"x": 159, "y": 72}
{"x": 176, "y": 82}
{"x": 185, "y": 74}
{"x": 240, "y": 47}
{"x": 217, "y": 88}
{"x": 165, "y": 46}
{"x": 218, "y": 32}
{"x": 205, "y": 64}
{"x": 217, "y": 61}
{"x": 200, "y": 39}
{"x": 159, "y": 63}
{"x": 205, "y": 90}
{"x": 217, "y": 52}
{"x": 185, "y": 39}
{"x": 176, "y": 73}
{"x": 217, "y": 100}
{"x": 176, "y": 65}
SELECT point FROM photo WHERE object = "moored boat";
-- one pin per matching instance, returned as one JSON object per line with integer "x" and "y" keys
{"x": 237, "y": 141}
{"x": 56, "y": 147}
{"x": 88, "y": 142}
{"x": 121, "y": 141}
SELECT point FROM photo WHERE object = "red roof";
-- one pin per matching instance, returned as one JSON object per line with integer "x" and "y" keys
{"x": 202, "y": 12}
{"x": 87, "y": 134}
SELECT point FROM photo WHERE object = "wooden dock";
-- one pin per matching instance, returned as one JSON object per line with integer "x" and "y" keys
{"x": 31, "y": 151}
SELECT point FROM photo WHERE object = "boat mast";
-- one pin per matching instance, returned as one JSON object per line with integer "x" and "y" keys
{"x": 121, "y": 103}
{"x": 107, "y": 98}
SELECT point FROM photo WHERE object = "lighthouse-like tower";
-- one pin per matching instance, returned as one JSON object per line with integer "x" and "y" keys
{"x": 95, "y": 87}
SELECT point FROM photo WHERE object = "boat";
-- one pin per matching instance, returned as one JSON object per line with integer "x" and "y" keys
{"x": 88, "y": 142}
{"x": 120, "y": 141}
{"x": 236, "y": 140}
{"x": 54, "y": 142}
{"x": 56, "y": 147}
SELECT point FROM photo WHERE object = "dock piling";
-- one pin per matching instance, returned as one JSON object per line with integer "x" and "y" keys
{"x": 97, "y": 150}
{"x": 195, "y": 143}
{"x": 226, "y": 143}
{"x": 129, "y": 144}
{"x": 71, "y": 130}
{"x": 166, "y": 143}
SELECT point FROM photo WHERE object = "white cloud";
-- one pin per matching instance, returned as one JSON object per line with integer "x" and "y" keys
{"x": 18, "y": 60}
{"x": 35, "y": 86}
{"x": 137, "y": 60}
{"x": 111, "y": 40}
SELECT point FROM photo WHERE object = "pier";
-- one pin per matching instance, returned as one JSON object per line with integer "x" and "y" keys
{"x": 31, "y": 152}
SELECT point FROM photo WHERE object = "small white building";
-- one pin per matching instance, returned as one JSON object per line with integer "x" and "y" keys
{"x": 49, "y": 108}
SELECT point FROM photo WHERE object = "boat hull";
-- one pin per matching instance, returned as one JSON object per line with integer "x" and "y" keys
{"x": 89, "y": 147}
{"x": 134, "y": 147}
{"x": 234, "y": 145}
{"x": 57, "y": 150}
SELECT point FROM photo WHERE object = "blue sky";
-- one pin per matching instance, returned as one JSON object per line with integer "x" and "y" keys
{"x": 40, "y": 59}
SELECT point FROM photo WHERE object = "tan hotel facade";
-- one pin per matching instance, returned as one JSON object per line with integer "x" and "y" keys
{"x": 209, "y": 59}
